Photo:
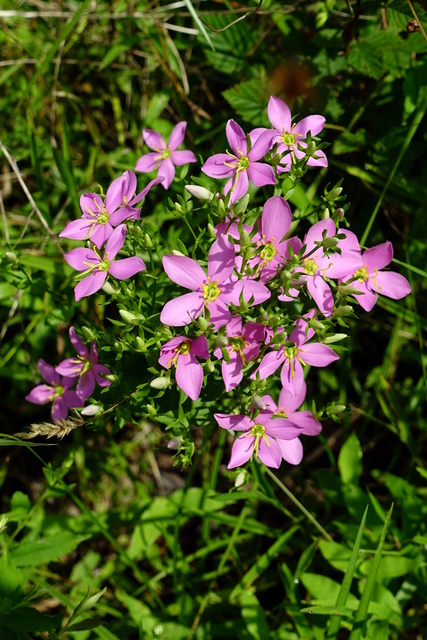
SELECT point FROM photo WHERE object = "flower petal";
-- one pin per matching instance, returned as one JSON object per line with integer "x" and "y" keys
{"x": 91, "y": 284}
{"x": 261, "y": 174}
{"x": 189, "y": 375}
{"x": 269, "y": 364}
{"x": 317, "y": 354}
{"x": 279, "y": 115}
{"x": 115, "y": 242}
{"x": 153, "y": 140}
{"x": 391, "y": 284}
{"x": 314, "y": 124}
{"x": 200, "y": 347}
{"x": 126, "y": 268}
{"x": 270, "y": 454}
{"x": 378, "y": 257}
{"x": 148, "y": 162}
{"x": 184, "y": 271}
{"x": 239, "y": 186}
{"x": 177, "y": 136}
{"x": 221, "y": 259}
{"x": 321, "y": 293}
{"x": 166, "y": 171}
{"x": 78, "y": 343}
{"x": 120, "y": 191}
{"x": 275, "y": 219}
{"x": 236, "y": 138}
{"x": 48, "y": 372}
{"x": 80, "y": 258}
{"x": 232, "y": 371}
{"x": 182, "y": 157}
{"x": 41, "y": 394}
{"x": 306, "y": 421}
{"x": 215, "y": 166}
{"x": 291, "y": 450}
{"x": 243, "y": 448}
{"x": 181, "y": 311}
{"x": 233, "y": 422}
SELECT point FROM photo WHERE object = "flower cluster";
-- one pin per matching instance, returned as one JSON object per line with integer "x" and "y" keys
{"x": 83, "y": 369}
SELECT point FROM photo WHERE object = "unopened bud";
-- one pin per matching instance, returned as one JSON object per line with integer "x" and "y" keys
{"x": 274, "y": 320}
{"x": 91, "y": 410}
{"x": 286, "y": 276}
{"x": 336, "y": 408}
{"x": 148, "y": 243}
{"x": 152, "y": 411}
{"x": 177, "y": 253}
{"x": 242, "y": 205}
{"x": 111, "y": 377}
{"x": 211, "y": 230}
{"x": 221, "y": 341}
{"x": 199, "y": 192}
{"x": 174, "y": 444}
{"x": 245, "y": 239}
{"x": 240, "y": 479}
{"x": 333, "y": 194}
{"x": 316, "y": 325}
{"x": 88, "y": 333}
{"x": 202, "y": 323}
{"x": 348, "y": 290}
{"x": 345, "y": 310}
{"x": 326, "y": 214}
{"x": 311, "y": 149}
{"x": 140, "y": 344}
{"x": 160, "y": 383}
{"x": 128, "y": 316}
{"x": 335, "y": 338}
{"x": 330, "y": 243}
{"x": 11, "y": 256}
{"x": 109, "y": 288}
{"x": 209, "y": 366}
{"x": 258, "y": 403}
{"x": 340, "y": 213}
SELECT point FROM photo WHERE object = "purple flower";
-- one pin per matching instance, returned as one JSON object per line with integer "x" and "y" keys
{"x": 99, "y": 218}
{"x": 242, "y": 165}
{"x": 370, "y": 279}
{"x": 260, "y": 436}
{"x": 289, "y": 136}
{"x": 57, "y": 391}
{"x": 181, "y": 352}
{"x": 85, "y": 366}
{"x": 212, "y": 292}
{"x": 165, "y": 157}
{"x": 292, "y": 450}
{"x": 96, "y": 268}
{"x": 294, "y": 356}
{"x": 243, "y": 347}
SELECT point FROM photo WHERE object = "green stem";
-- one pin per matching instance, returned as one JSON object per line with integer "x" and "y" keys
{"x": 300, "y": 506}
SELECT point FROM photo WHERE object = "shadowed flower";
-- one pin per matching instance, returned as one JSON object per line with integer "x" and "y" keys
{"x": 57, "y": 391}
{"x": 96, "y": 268}
{"x": 164, "y": 157}
{"x": 242, "y": 165}
{"x": 181, "y": 352}
{"x": 84, "y": 366}
{"x": 99, "y": 218}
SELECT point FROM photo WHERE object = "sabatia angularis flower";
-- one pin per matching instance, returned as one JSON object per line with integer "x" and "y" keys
{"x": 260, "y": 437}
{"x": 292, "y": 450}
{"x": 243, "y": 347}
{"x": 99, "y": 218}
{"x": 165, "y": 157}
{"x": 181, "y": 352}
{"x": 242, "y": 165}
{"x": 57, "y": 391}
{"x": 294, "y": 355}
{"x": 85, "y": 366}
{"x": 212, "y": 292}
{"x": 96, "y": 268}
{"x": 289, "y": 136}
{"x": 370, "y": 277}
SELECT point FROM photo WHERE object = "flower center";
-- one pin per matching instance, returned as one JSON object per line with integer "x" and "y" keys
{"x": 310, "y": 267}
{"x": 211, "y": 291}
{"x": 165, "y": 154}
{"x": 243, "y": 163}
{"x": 267, "y": 253}
{"x": 362, "y": 274}
{"x": 183, "y": 348}
{"x": 103, "y": 217}
{"x": 104, "y": 265}
{"x": 291, "y": 352}
{"x": 58, "y": 391}
{"x": 237, "y": 343}
{"x": 288, "y": 139}
{"x": 258, "y": 430}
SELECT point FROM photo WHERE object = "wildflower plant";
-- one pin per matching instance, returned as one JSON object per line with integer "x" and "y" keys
{"x": 267, "y": 293}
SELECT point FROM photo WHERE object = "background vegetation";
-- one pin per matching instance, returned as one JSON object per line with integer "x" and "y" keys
{"x": 102, "y": 536}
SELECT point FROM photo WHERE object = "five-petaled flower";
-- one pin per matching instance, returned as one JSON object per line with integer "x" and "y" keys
{"x": 242, "y": 165}
{"x": 85, "y": 366}
{"x": 57, "y": 391}
{"x": 164, "y": 157}
{"x": 181, "y": 352}
{"x": 96, "y": 268}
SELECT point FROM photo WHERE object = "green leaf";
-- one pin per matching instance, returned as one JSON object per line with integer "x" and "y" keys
{"x": 350, "y": 460}
{"x": 253, "y": 615}
{"x": 248, "y": 99}
{"x": 34, "y": 553}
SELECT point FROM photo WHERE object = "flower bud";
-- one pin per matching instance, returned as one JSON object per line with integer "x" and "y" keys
{"x": 240, "y": 479}
{"x": 286, "y": 276}
{"x": 140, "y": 344}
{"x": 209, "y": 366}
{"x": 202, "y": 323}
{"x": 111, "y": 377}
{"x": 340, "y": 213}
{"x": 316, "y": 325}
{"x": 177, "y": 253}
{"x": 160, "y": 383}
{"x": 245, "y": 239}
{"x": 258, "y": 403}
{"x": 242, "y": 205}
{"x": 91, "y": 410}
{"x": 274, "y": 320}
{"x": 199, "y": 192}
{"x": 211, "y": 231}
{"x": 174, "y": 444}
{"x": 348, "y": 290}
{"x": 330, "y": 243}
{"x": 88, "y": 333}
{"x": 221, "y": 341}
{"x": 148, "y": 243}
{"x": 109, "y": 288}
{"x": 326, "y": 214}
{"x": 335, "y": 338}
{"x": 311, "y": 149}
{"x": 152, "y": 411}
{"x": 128, "y": 316}
{"x": 345, "y": 310}
{"x": 333, "y": 194}
{"x": 336, "y": 408}
{"x": 11, "y": 256}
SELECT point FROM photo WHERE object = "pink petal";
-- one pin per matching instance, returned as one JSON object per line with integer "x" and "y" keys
{"x": 91, "y": 204}
{"x": 319, "y": 161}
{"x": 59, "y": 409}
{"x": 270, "y": 454}
{"x": 243, "y": 448}
{"x": 100, "y": 234}
{"x": 368, "y": 298}
{"x": 167, "y": 172}
{"x": 200, "y": 347}
{"x": 233, "y": 422}
{"x": 275, "y": 219}
{"x": 181, "y": 311}
{"x": 321, "y": 294}
{"x": 153, "y": 140}
{"x": 214, "y": 166}
{"x": 221, "y": 259}
{"x": 269, "y": 364}
{"x": 120, "y": 191}
{"x": 177, "y": 136}
{"x": 255, "y": 133}
{"x": 317, "y": 354}
{"x": 232, "y": 371}
{"x": 390, "y": 284}
{"x": 261, "y": 174}
{"x": 86, "y": 385}
{"x": 78, "y": 343}
{"x": 91, "y": 284}
{"x": 126, "y": 268}
{"x": 306, "y": 421}
{"x": 282, "y": 429}
{"x": 292, "y": 376}
{"x": 219, "y": 313}
{"x": 291, "y": 450}
{"x": 184, "y": 271}
{"x": 115, "y": 242}
{"x": 236, "y": 138}
{"x": 315, "y": 233}
{"x": 144, "y": 192}
{"x": 239, "y": 186}
{"x": 314, "y": 124}
{"x": 124, "y": 213}
{"x": 288, "y": 402}
{"x": 148, "y": 162}
{"x": 279, "y": 115}
{"x": 189, "y": 375}
{"x": 262, "y": 145}
{"x": 78, "y": 229}
{"x": 182, "y": 157}
{"x": 250, "y": 288}
{"x": 80, "y": 258}
{"x": 40, "y": 394}
{"x": 378, "y": 257}
{"x": 48, "y": 372}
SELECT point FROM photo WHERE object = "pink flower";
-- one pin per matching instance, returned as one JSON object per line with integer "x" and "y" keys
{"x": 165, "y": 157}
{"x": 260, "y": 436}
{"x": 85, "y": 366}
{"x": 243, "y": 347}
{"x": 212, "y": 292}
{"x": 98, "y": 218}
{"x": 96, "y": 268}
{"x": 289, "y": 136}
{"x": 181, "y": 352}
{"x": 242, "y": 165}
{"x": 57, "y": 391}
{"x": 370, "y": 279}
{"x": 292, "y": 450}
{"x": 293, "y": 356}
